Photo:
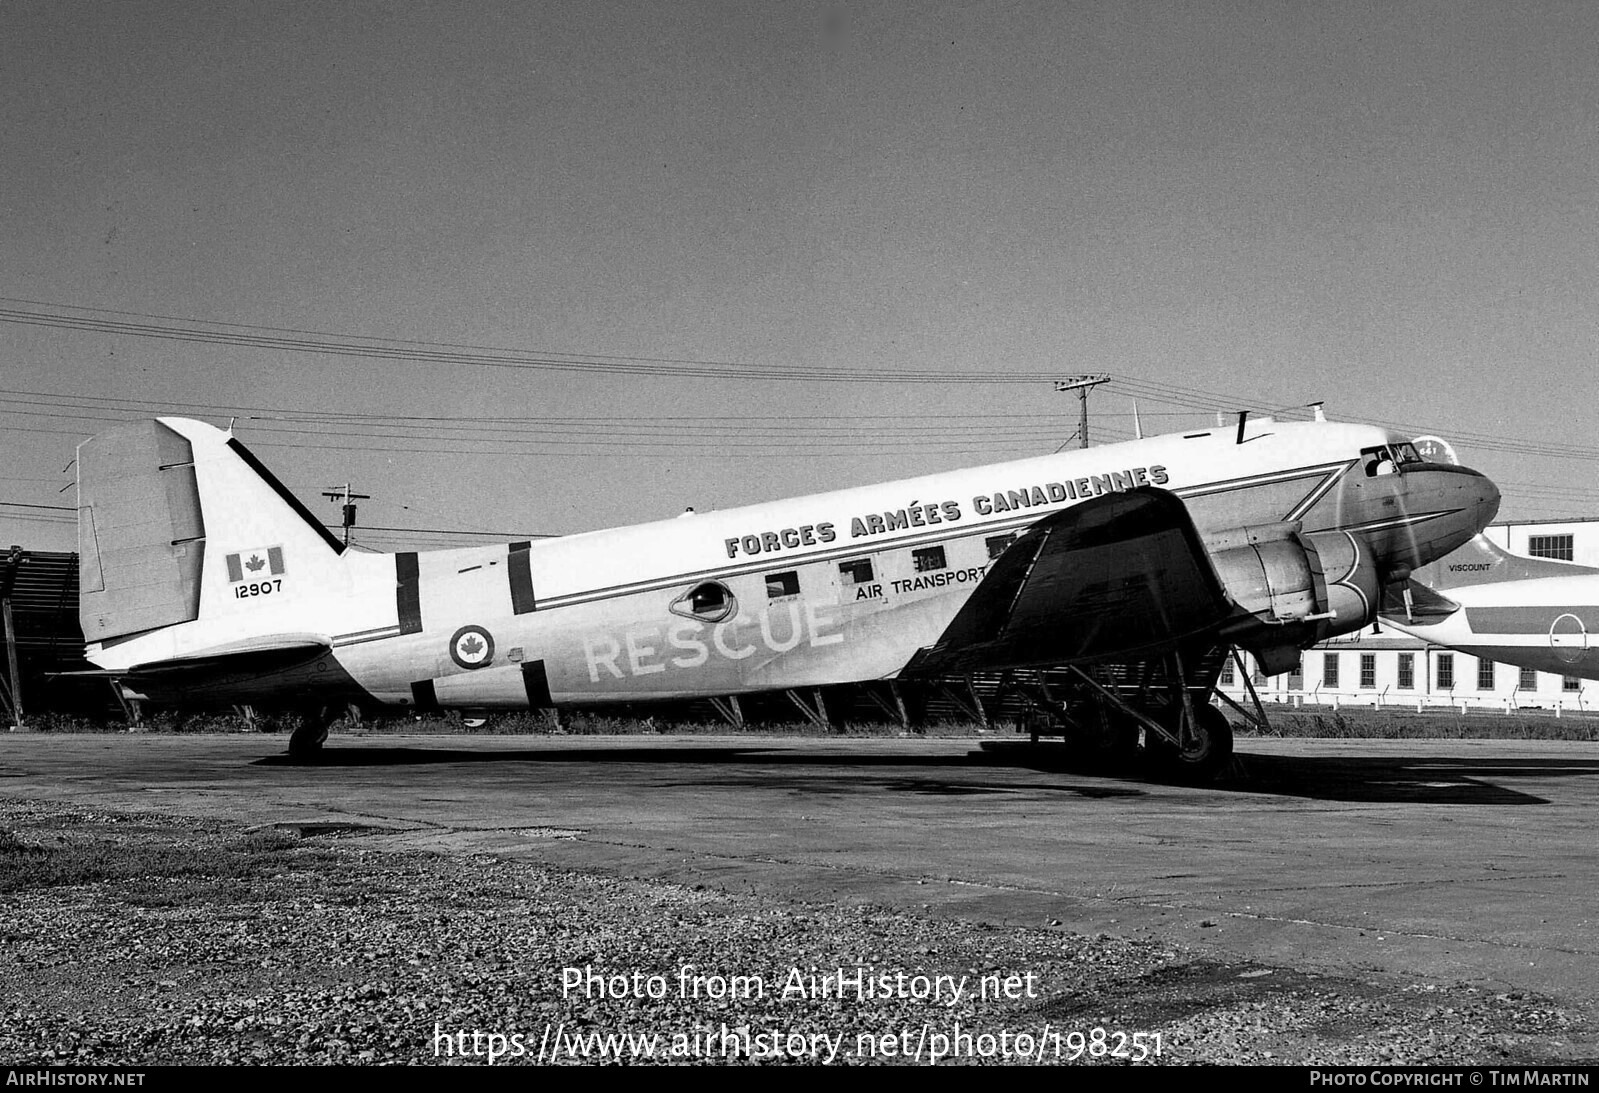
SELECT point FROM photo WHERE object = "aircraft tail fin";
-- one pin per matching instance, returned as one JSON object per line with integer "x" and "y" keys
{"x": 175, "y": 517}
{"x": 1482, "y": 561}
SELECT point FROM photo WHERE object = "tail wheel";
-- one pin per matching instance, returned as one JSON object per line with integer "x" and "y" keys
{"x": 1206, "y": 751}
{"x": 308, "y": 737}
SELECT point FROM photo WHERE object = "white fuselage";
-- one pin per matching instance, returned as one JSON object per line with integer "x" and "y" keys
{"x": 828, "y": 588}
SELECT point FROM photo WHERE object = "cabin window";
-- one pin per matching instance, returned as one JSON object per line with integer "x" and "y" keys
{"x": 709, "y": 601}
{"x": 928, "y": 559}
{"x": 856, "y": 572}
{"x": 1485, "y": 674}
{"x": 1562, "y": 548}
{"x": 998, "y": 544}
{"x": 1446, "y": 671}
{"x": 779, "y": 585}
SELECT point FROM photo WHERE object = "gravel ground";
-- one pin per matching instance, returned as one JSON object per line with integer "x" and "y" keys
{"x": 135, "y": 939}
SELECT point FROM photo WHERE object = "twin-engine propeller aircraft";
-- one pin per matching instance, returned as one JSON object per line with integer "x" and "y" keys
{"x": 1136, "y": 565}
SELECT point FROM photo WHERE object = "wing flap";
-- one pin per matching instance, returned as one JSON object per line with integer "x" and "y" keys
{"x": 1115, "y": 576}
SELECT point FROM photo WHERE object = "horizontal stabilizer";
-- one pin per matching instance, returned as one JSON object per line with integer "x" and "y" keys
{"x": 248, "y": 657}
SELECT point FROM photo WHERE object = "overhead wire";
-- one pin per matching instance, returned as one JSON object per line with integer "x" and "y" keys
{"x": 775, "y": 436}
{"x": 289, "y": 339}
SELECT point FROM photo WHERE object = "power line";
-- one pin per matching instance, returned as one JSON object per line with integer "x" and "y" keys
{"x": 553, "y": 436}
{"x": 288, "y": 339}
{"x": 508, "y": 535}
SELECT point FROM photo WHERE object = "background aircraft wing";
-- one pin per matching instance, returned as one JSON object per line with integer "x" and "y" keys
{"x": 1119, "y": 575}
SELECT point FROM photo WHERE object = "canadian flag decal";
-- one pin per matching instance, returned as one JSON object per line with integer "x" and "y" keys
{"x": 252, "y": 565}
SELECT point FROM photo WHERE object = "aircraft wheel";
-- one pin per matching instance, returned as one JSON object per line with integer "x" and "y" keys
{"x": 1209, "y": 750}
{"x": 306, "y": 741}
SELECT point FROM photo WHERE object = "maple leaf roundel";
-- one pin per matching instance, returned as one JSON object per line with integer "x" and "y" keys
{"x": 472, "y": 647}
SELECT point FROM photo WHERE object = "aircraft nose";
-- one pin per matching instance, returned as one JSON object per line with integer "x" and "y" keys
{"x": 1484, "y": 497}
{"x": 1460, "y": 501}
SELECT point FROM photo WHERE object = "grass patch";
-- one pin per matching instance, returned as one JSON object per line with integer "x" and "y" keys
{"x": 1366, "y": 723}
{"x": 144, "y": 863}
{"x": 1348, "y": 723}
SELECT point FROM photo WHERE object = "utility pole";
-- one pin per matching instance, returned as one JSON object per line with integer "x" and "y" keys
{"x": 1081, "y": 385}
{"x": 342, "y": 493}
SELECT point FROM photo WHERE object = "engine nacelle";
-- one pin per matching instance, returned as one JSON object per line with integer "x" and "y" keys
{"x": 1298, "y": 589}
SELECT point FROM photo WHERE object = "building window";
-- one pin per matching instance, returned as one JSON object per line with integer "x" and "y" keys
{"x": 1485, "y": 674}
{"x": 928, "y": 559}
{"x": 1559, "y": 547}
{"x": 1446, "y": 671}
{"x": 782, "y": 584}
{"x": 1329, "y": 669}
{"x": 1296, "y": 675}
{"x": 998, "y": 544}
{"x": 1528, "y": 680}
{"x": 1570, "y": 683}
{"x": 1226, "y": 679}
{"x": 857, "y": 572}
{"x": 1407, "y": 671}
{"x": 1368, "y": 670}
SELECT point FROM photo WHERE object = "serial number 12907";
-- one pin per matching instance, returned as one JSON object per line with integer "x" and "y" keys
{"x": 265, "y": 588}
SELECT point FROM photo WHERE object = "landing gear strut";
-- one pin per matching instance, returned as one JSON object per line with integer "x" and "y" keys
{"x": 1186, "y": 739}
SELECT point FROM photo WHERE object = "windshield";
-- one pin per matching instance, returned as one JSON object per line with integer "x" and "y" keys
{"x": 1389, "y": 458}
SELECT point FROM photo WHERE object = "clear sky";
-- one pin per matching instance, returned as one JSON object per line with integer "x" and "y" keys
{"x": 1393, "y": 207}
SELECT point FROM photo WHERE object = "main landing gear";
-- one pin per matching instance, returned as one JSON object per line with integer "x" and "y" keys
{"x": 1153, "y": 716}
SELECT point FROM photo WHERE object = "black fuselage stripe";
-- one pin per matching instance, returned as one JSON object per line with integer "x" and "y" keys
{"x": 520, "y": 571}
{"x": 536, "y": 680}
{"x": 423, "y": 695}
{"x": 408, "y": 592}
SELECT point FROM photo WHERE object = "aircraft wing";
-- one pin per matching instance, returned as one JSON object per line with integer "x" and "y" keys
{"x": 1123, "y": 574}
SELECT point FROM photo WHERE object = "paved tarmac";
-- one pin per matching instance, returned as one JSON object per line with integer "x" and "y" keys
{"x": 1440, "y": 860}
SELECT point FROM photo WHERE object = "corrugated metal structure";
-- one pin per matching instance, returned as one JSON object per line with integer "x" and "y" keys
{"x": 39, "y": 602}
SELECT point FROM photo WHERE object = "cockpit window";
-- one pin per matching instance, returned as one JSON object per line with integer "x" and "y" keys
{"x": 711, "y": 601}
{"x": 1389, "y": 458}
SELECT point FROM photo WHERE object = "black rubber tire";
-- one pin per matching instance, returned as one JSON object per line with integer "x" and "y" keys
{"x": 1202, "y": 761}
{"x": 306, "y": 741}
